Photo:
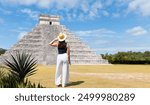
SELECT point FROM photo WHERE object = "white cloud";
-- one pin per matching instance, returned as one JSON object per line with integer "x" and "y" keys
{"x": 108, "y": 2}
{"x": 138, "y": 30}
{"x": 85, "y": 7}
{"x": 66, "y": 4}
{"x": 22, "y": 2}
{"x": 81, "y": 10}
{"x": 116, "y": 15}
{"x": 95, "y": 7}
{"x": 140, "y": 5}
{"x": 121, "y": 49}
{"x": 89, "y": 9}
{"x": 22, "y": 34}
{"x": 97, "y": 37}
{"x": 44, "y": 3}
{"x": 30, "y": 13}
{"x": 1, "y": 46}
{"x": 97, "y": 32}
{"x": 100, "y": 42}
{"x": 81, "y": 17}
{"x": 5, "y": 11}
{"x": 25, "y": 2}
{"x": 105, "y": 13}
{"x": 20, "y": 29}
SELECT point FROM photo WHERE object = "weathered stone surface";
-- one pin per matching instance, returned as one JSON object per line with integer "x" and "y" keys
{"x": 36, "y": 42}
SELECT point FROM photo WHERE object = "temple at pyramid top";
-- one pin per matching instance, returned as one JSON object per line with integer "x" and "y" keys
{"x": 49, "y": 19}
{"x": 36, "y": 42}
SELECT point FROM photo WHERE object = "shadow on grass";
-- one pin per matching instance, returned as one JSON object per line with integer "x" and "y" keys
{"x": 75, "y": 83}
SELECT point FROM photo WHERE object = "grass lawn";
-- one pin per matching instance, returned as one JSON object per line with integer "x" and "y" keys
{"x": 97, "y": 76}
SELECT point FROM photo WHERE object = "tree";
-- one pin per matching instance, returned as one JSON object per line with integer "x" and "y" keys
{"x": 2, "y": 51}
{"x": 128, "y": 57}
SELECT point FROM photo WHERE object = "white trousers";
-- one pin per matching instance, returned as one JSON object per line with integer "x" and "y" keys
{"x": 62, "y": 70}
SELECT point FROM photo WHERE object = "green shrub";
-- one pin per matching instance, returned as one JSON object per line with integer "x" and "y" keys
{"x": 128, "y": 57}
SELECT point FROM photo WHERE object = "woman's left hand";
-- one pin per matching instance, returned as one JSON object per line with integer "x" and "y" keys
{"x": 69, "y": 62}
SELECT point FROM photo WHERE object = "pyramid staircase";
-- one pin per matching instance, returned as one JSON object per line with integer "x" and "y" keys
{"x": 36, "y": 43}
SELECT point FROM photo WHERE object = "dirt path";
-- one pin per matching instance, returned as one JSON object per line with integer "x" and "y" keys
{"x": 118, "y": 76}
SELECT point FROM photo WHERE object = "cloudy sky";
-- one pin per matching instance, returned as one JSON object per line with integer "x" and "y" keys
{"x": 107, "y": 26}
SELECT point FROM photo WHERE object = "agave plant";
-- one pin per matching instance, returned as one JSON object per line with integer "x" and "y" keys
{"x": 21, "y": 65}
{"x": 28, "y": 84}
{"x": 2, "y": 73}
{"x": 8, "y": 81}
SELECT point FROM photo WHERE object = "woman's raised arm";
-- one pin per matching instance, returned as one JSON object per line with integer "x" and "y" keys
{"x": 54, "y": 42}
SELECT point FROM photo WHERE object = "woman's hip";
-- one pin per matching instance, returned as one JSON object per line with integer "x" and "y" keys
{"x": 62, "y": 56}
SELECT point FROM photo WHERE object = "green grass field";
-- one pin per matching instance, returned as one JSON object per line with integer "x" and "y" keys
{"x": 97, "y": 76}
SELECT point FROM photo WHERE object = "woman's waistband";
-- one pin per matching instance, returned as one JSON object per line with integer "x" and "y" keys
{"x": 62, "y": 54}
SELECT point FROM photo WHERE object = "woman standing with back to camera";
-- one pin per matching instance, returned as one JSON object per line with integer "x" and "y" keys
{"x": 63, "y": 60}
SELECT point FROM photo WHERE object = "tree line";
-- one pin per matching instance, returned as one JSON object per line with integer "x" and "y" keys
{"x": 128, "y": 57}
{"x": 2, "y": 51}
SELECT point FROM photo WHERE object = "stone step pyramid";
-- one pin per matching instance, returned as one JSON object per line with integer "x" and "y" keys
{"x": 36, "y": 42}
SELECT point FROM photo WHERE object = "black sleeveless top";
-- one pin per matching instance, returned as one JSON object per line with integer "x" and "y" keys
{"x": 62, "y": 47}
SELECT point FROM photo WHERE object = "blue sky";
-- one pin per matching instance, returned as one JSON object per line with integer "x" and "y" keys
{"x": 107, "y": 26}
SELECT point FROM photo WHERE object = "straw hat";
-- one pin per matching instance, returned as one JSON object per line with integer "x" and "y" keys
{"x": 61, "y": 37}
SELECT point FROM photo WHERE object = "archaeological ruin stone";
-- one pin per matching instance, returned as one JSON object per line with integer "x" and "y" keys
{"x": 36, "y": 42}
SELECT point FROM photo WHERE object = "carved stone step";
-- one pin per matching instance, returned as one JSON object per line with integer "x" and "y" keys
{"x": 89, "y": 62}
